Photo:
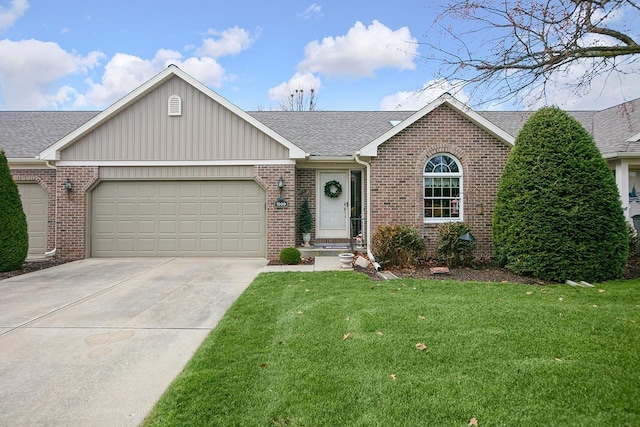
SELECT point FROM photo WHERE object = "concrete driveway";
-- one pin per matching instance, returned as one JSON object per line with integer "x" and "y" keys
{"x": 96, "y": 342}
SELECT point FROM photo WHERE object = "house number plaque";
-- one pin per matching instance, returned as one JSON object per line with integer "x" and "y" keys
{"x": 281, "y": 203}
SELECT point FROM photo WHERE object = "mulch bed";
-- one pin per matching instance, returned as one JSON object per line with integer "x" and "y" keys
{"x": 35, "y": 265}
{"x": 304, "y": 261}
{"x": 485, "y": 272}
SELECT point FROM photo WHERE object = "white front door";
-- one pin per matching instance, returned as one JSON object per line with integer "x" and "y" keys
{"x": 333, "y": 212}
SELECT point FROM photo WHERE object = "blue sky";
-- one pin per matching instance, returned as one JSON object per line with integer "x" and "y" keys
{"x": 358, "y": 55}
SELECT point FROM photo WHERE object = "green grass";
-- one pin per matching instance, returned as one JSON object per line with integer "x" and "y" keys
{"x": 504, "y": 354}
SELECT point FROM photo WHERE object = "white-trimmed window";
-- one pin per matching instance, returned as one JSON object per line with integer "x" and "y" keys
{"x": 442, "y": 182}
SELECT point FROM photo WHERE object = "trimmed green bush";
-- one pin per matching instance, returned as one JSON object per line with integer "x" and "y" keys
{"x": 306, "y": 220}
{"x": 451, "y": 249}
{"x": 558, "y": 214}
{"x": 290, "y": 256}
{"x": 397, "y": 246}
{"x": 14, "y": 239}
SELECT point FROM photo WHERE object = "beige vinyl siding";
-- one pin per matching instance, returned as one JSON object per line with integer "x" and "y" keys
{"x": 175, "y": 172}
{"x": 34, "y": 203}
{"x": 205, "y": 131}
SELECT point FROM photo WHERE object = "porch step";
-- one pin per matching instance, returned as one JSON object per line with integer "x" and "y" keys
{"x": 324, "y": 250}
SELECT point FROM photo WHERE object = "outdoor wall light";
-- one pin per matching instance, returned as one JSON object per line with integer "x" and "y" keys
{"x": 280, "y": 183}
{"x": 467, "y": 237}
{"x": 68, "y": 186}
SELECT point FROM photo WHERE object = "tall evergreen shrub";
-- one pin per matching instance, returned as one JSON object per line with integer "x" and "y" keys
{"x": 558, "y": 214}
{"x": 14, "y": 240}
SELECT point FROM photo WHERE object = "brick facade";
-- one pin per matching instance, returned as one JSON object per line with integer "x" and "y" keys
{"x": 397, "y": 174}
{"x": 72, "y": 210}
{"x": 281, "y": 222}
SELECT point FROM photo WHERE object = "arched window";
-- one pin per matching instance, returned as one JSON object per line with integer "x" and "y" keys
{"x": 442, "y": 189}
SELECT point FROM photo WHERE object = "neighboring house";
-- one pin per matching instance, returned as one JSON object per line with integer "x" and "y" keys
{"x": 173, "y": 169}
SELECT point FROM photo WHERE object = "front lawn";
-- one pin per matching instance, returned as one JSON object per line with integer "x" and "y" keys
{"x": 336, "y": 349}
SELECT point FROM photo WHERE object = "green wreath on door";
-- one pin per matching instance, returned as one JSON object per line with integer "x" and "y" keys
{"x": 332, "y": 189}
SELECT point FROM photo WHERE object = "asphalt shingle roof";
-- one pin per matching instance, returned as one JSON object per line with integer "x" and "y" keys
{"x": 24, "y": 134}
{"x": 330, "y": 133}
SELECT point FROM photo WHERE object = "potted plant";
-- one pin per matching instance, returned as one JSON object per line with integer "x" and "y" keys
{"x": 305, "y": 222}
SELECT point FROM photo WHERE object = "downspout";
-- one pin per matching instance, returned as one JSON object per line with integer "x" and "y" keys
{"x": 367, "y": 165}
{"x": 53, "y": 251}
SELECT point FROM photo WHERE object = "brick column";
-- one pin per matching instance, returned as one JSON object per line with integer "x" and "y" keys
{"x": 281, "y": 222}
{"x": 72, "y": 210}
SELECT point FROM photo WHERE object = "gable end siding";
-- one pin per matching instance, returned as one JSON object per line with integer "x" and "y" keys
{"x": 205, "y": 131}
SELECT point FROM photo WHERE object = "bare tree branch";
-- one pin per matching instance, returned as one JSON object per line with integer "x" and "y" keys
{"x": 299, "y": 100}
{"x": 516, "y": 46}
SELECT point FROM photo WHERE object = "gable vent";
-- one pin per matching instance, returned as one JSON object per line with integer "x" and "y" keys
{"x": 175, "y": 105}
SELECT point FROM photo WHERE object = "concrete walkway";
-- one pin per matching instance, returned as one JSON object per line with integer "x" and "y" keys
{"x": 322, "y": 263}
{"x": 96, "y": 342}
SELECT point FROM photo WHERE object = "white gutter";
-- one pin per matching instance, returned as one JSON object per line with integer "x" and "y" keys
{"x": 53, "y": 251}
{"x": 367, "y": 165}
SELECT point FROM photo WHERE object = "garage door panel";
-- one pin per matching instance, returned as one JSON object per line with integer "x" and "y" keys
{"x": 146, "y": 227}
{"x": 208, "y": 208}
{"x": 167, "y": 246}
{"x": 187, "y": 218}
{"x": 230, "y": 245}
{"x": 126, "y": 208}
{"x": 232, "y": 208}
{"x": 250, "y": 244}
{"x": 230, "y": 227}
{"x": 188, "y": 245}
{"x": 253, "y": 209}
{"x": 209, "y": 227}
{"x": 125, "y": 245}
{"x": 232, "y": 191}
{"x": 166, "y": 191}
{"x": 188, "y": 227}
{"x": 146, "y": 246}
{"x": 210, "y": 191}
{"x": 35, "y": 203}
{"x": 251, "y": 227}
{"x": 189, "y": 208}
{"x": 167, "y": 227}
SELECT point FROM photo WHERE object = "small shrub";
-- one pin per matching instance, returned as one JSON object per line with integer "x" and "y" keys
{"x": 14, "y": 239}
{"x": 305, "y": 220}
{"x": 634, "y": 242}
{"x": 451, "y": 249}
{"x": 290, "y": 256}
{"x": 397, "y": 245}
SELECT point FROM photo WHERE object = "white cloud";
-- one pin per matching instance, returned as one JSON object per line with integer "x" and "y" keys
{"x": 305, "y": 82}
{"x": 415, "y": 100}
{"x": 30, "y": 69}
{"x": 230, "y": 42}
{"x": 313, "y": 10}
{"x": 124, "y": 72}
{"x": 361, "y": 51}
{"x": 10, "y": 15}
{"x": 206, "y": 70}
{"x": 606, "y": 89}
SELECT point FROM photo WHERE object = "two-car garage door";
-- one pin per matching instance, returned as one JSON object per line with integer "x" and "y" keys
{"x": 178, "y": 218}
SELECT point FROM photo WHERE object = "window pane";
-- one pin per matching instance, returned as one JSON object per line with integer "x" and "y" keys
{"x": 442, "y": 193}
